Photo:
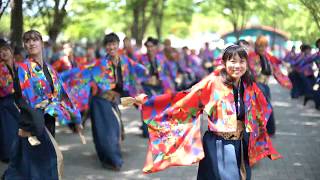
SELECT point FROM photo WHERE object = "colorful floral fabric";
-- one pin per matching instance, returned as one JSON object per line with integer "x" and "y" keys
{"x": 207, "y": 54}
{"x": 255, "y": 67}
{"x": 6, "y": 81}
{"x": 62, "y": 64}
{"x": 196, "y": 66}
{"x": 77, "y": 83}
{"x": 36, "y": 89}
{"x": 174, "y": 121}
{"x": 131, "y": 70}
{"x": 97, "y": 78}
{"x": 163, "y": 70}
{"x": 304, "y": 63}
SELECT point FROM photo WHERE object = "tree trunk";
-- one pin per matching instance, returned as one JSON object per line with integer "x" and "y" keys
{"x": 16, "y": 24}
{"x": 135, "y": 25}
{"x": 236, "y": 31}
{"x": 159, "y": 19}
{"x": 57, "y": 25}
{"x": 141, "y": 18}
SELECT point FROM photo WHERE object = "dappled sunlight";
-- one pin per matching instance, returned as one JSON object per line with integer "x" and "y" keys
{"x": 87, "y": 153}
{"x": 95, "y": 177}
{"x": 310, "y": 114}
{"x": 142, "y": 176}
{"x": 281, "y": 104}
{"x": 142, "y": 145}
{"x": 63, "y": 130}
{"x": 286, "y": 133}
{"x": 314, "y": 124}
{"x": 297, "y": 164}
{"x": 133, "y": 127}
{"x": 69, "y": 146}
{"x": 131, "y": 172}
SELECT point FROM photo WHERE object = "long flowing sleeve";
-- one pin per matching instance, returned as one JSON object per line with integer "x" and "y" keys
{"x": 260, "y": 144}
{"x": 174, "y": 127}
{"x": 77, "y": 83}
{"x": 138, "y": 68}
{"x": 310, "y": 59}
{"x": 36, "y": 89}
{"x": 282, "y": 79}
{"x": 61, "y": 105}
{"x": 102, "y": 76}
{"x": 26, "y": 87}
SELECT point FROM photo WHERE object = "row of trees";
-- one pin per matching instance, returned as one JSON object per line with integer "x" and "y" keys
{"x": 89, "y": 18}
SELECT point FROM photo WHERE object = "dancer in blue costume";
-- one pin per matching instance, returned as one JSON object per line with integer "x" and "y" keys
{"x": 113, "y": 76}
{"x": 41, "y": 98}
{"x": 9, "y": 112}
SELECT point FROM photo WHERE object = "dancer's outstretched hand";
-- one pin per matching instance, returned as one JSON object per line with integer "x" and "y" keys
{"x": 141, "y": 98}
{"x": 42, "y": 105}
{"x": 138, "y": 100}
{"x": 127, "y": 101}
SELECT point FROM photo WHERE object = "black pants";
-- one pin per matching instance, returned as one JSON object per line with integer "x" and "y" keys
{"x": 50, "y": 123}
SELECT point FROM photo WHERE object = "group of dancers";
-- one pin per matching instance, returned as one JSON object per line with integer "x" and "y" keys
{"x": 173, "y": 90}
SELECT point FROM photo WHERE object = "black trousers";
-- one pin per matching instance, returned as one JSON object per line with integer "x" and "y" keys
{"x": 50, "y": 123}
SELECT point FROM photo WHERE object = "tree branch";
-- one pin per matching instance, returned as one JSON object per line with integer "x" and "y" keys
{"x": 4, "y": 8}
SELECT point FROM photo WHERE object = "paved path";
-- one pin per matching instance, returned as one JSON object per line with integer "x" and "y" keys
{"x": 297, "y": 139}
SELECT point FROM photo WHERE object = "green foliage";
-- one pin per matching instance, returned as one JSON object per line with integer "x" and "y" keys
{"x": 5, "y": 25}
{"x": 90, "y": 19}
{"x": 183, "y": 18}
{"x": 292, "y": 17}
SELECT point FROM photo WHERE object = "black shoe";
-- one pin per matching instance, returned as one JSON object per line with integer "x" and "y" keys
{"x": 72, "y": 127}
{"x": 306, "y": 99}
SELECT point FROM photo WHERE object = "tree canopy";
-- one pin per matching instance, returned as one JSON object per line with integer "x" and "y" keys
{"x": 90, "y": 19}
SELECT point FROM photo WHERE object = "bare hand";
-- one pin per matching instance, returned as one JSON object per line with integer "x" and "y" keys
{"x": 42, "y": 105}
{"x": 140, "y": 99}
{"x": 127, "y": 101}
{"x": 23, "y": 133}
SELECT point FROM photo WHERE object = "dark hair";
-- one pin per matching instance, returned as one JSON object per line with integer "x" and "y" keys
{"x": 31, "y": 34}
{"x": 5, "y": 44}
{"x": 152, "y": 40}
{"x": 230, "y": 52}
{"x": 2, "y": 41}
{"x": 318, "y": 43}
{"x": 305, "y": 47}
{"x": 109, "y": 38}
{"x": 242, "y": 41}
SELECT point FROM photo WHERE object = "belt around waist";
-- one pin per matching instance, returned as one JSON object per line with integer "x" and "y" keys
{"x": 237, "y": 135}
